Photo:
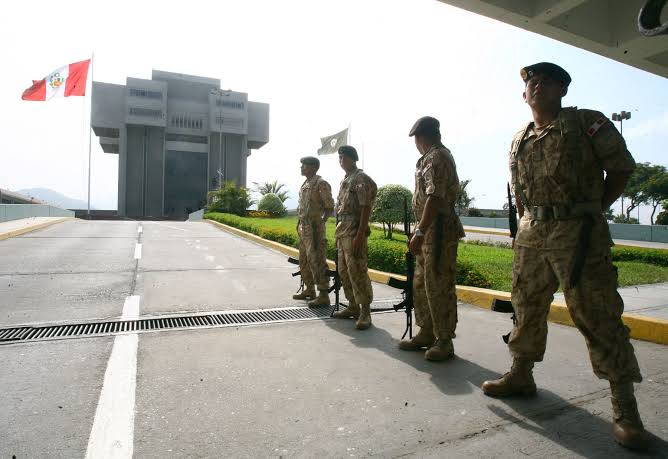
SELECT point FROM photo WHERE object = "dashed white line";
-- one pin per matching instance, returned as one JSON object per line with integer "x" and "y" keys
{"x": 112, "y": 434}
{"x": 140, "y": 229}
{"x": 138, "y": 251}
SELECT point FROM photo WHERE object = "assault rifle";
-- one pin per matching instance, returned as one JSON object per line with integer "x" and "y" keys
{"x": 512, "y": 211}
{"x": 506, "y": 307}
{"x": 407, "y": 285}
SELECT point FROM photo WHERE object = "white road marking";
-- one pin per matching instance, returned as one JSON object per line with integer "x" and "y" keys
{"x": 138, "y": 251}
{"x": 140, "y": 229}
{"x": 209, "y": 258}
{"x": 112, "y": 434}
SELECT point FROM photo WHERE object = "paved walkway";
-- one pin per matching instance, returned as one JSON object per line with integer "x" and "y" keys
{"x": 23, "y": 223}
{"x": 316, "y": 388}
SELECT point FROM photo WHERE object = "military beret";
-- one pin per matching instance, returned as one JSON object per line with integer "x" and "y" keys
{"x": 349, "y": 151}
{"x": 310, "y": 161}
{"x": 546, "y": 68}
{"x": 425, "y": 125}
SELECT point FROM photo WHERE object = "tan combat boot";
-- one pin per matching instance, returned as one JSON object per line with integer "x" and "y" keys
{"x": 364, "y": 320}
{"x": 321, "y": 300}
{"x": 306, "y": 294}
{"x": 351, "y": 311}
{"x": 442, "y": 349}
{"x": 627, "y": 427}
{"x": 519, "y": 381}
{"x": 424, "y": 338}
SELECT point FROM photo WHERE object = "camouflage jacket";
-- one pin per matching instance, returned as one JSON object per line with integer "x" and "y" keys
{"x": 356, "y": 191}
{"x": 563, "y": 165}
{"x": 436, "y": 175}
{"x": 315, "y": 198}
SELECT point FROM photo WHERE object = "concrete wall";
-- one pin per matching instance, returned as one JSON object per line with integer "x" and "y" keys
{"x": 649, "y": 233}
{"x": 18, "y": 211}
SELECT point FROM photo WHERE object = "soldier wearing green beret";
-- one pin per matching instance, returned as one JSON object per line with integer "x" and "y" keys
{"x": 566, "y": 166}
{"x": 353, "y": 207}
{"x": 434, "y": 243}
{"x": 315, "y": 206}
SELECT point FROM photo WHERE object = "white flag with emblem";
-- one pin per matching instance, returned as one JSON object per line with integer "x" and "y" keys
{"x": 332, "y": 143}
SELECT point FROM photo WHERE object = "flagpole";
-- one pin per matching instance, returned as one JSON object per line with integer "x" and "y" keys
{"x": 90, "y": 126}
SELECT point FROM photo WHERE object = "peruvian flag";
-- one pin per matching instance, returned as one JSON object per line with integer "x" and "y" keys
{"x": 64, "y": 82}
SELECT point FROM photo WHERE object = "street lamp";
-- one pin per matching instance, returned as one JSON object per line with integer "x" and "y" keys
{"x": 222, "y": 158}
{"x": 621, "y": 116}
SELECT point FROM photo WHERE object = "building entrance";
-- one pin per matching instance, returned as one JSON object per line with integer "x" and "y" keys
{"x": 185, "y": 182}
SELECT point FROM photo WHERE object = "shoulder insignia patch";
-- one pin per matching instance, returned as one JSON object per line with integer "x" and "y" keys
{"x": 593, "y": 129}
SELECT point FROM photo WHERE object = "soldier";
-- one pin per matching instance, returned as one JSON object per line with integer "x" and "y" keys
{"x": 353, "y": 207}
{"x": 434, "y": 243}
{"x": 315, "y": 206}
{"x": 557, "y": 163}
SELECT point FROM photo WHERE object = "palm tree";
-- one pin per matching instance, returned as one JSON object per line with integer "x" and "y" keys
{"x": 272, "y": 187}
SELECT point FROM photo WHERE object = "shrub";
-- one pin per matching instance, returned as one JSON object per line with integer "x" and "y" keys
{"x": 388, "y": 208}
{"x": 492, "y": 214}
{"x": 651, "y": 256}
{"x": 473, "y": 212}
{"x": 259, "y": 214}
{"x": 272, "y": 204}
{"x": 229, "y": 199}
{"x": 662, "y": 218}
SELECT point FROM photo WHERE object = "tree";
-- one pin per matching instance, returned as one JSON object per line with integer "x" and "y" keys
{"x": 388, "y": 208}
{"x": 230, "y": 199}
{"x": 662, "y": 218}
{"x": 473, "y": 212}
{"x": 608, "y": 214}
{"x": 655, "y": 189}
{"x": 634, "y": 188}
{"x": 271, "y": 203}
{"x": 464, "y": 201}
{"x": 272, "y": 187}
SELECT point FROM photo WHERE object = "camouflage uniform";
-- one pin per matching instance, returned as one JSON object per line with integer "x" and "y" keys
{"x": 435, "y": 298}
{"x": 357, "y": 190}
{"x": 315, "y": 200}
{"x": 558, "y": 174}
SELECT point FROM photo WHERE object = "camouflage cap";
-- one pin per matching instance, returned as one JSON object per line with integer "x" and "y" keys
{"x": 546, "y": 68}
{"x": 349, "y": 151}
{"x": 425, "y": 125}
{"x": 310, "y": 161}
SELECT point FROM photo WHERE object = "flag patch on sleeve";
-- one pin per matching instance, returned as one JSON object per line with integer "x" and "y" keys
{"x": 593, "y": 129}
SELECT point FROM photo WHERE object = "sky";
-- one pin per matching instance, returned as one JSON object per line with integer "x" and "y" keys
{"x": 376, "y": 65}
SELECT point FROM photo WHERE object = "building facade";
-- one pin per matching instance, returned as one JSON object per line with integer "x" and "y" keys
{"x": 177, "y": 137}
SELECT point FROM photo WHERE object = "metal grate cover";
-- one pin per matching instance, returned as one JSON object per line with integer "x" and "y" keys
{"x": 101, "y": 328}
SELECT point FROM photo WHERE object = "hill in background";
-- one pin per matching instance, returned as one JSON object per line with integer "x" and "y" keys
{"x": 54, "y": 198}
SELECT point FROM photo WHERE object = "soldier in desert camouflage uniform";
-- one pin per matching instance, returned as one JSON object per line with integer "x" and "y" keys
{"x": 353, "y": 207}
{"x": 315, "y": 206}
{"x": 557, "y": 166}
{"x": 434, "y": 243}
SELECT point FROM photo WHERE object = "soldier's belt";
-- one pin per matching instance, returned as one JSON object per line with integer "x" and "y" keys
{"x": 563, "y": 212}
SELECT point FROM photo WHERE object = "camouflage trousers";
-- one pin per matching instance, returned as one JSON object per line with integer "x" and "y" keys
{"x": 354, "y": 272}
{"x": 313, "y": 254}
{"x": 594, "y": 305}
{"x": 434, "y": 290}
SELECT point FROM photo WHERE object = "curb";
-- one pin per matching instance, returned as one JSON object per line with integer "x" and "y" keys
{"x": 29, "y": 229}
{"x": 643, "y": 328}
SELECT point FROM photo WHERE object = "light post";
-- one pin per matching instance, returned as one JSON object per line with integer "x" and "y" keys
{"x": 222, "y": 157}
{"x": 621, "y": 116}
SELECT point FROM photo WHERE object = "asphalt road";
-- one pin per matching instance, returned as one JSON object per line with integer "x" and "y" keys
{"x": 291, "y": 389}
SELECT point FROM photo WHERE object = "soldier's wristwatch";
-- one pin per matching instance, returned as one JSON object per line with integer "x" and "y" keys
{"x": 418, "y": 232}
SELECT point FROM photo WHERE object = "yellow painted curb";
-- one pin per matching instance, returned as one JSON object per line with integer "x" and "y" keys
{"x": 482, "y": 231}
{"x": 28, "y": 229}
{"x": 642, "y": 327}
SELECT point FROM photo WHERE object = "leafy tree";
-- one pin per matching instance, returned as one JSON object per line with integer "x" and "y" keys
{"x": 662, "y": 218}
{"x": 388, "y": 208}
{"x": 473, "y": 212}
{"x": 271, "y": 203}
{"x": 624, "y": 219}
{"x": 230, "y": 199}
{"x": 464, "y": 201}
{"x": 655, "y": 189}
{"x": 634, "y": 190}
{"x": 272, "y": 187}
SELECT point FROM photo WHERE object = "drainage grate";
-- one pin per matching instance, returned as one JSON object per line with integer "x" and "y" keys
{"x": 223, "y": 319}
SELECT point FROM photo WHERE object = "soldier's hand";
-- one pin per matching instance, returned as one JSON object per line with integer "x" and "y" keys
{"x": 358, "y": 241}
{"x": 415, "y": 245}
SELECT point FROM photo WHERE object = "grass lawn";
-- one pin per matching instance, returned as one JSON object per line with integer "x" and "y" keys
{"x": 493, "y": 263}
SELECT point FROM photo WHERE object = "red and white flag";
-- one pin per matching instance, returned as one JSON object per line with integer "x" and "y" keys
{"x": 66, "y": 81}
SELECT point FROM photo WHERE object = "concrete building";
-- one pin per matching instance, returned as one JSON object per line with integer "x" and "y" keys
{"x": 177, "y": 137}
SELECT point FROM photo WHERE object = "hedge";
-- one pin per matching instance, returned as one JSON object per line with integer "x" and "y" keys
{"x": 384, "y": 255}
